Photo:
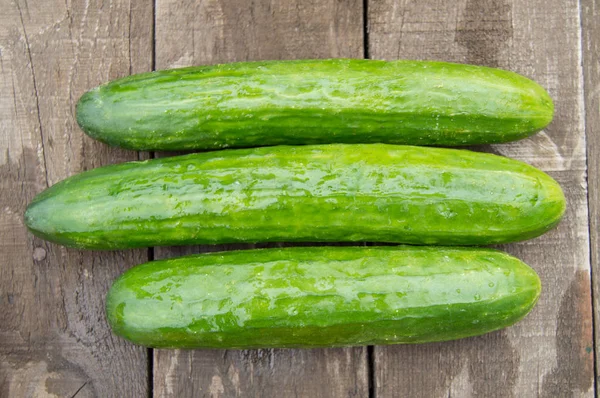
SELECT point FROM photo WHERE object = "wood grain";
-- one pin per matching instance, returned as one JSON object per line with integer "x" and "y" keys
{"x": 216, "y": 31}
{"x": 550, "y": 353}
{"x": 590, "y": 13}
{"x": 54, "y": 340}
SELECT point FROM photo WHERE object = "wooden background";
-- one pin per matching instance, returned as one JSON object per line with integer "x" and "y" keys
{"x": 54, "y": 340}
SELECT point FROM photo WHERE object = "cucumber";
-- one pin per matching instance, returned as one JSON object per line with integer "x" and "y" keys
{"x": 315, "y": 102}
{"x": 329, "y": 193}
{"x": 320, "y": 297}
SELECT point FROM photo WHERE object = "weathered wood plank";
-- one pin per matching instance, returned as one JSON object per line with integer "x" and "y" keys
{"x": 550, "y": 353}
{"x": 54, "y": 340}
{"x": 214, "y": 31}
{"x": 591, "y": 67}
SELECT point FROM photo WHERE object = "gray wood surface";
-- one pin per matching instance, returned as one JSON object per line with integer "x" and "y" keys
{"x": 197, "y": 33}
{"x": 54, "y": 340}
{"x": 590, "y": 14}
{"x": 550, "y": 353}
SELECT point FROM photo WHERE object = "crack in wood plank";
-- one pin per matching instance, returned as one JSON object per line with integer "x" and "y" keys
{"x": 79, "y": 389}
{"x": 35, "y": 88}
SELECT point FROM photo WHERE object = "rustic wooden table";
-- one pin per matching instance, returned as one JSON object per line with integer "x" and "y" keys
{"x": 54, "y": 340}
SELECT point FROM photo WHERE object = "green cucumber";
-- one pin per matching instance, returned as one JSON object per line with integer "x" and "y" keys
{"x": 335, "y": 193}
{"x": 320, "y": 297}
{"x": 315, "y": 102}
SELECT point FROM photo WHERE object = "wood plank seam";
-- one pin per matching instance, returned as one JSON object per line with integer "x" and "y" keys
{"x": 589, "y": 155}
{"x": 371, "y": 374}
{"x": 151, "y": 254}
{"x": 365, "y": 10}
{"x": 590, "y": 43}
{"x": 370, "y": 349}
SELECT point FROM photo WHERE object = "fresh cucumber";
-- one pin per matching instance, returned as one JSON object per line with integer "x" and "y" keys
{"x": 315, "y": 102}
{"x": 335, "y": 193}
{"x": 320, "y": 297}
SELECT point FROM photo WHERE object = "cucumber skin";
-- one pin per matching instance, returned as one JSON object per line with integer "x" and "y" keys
{"x": 329, "y": 193}
{"x": 315, "y": 102}
{"x": 320, "y": 297}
